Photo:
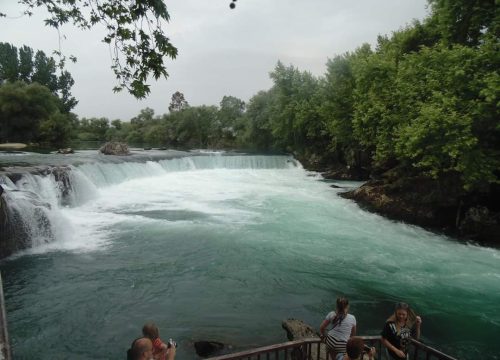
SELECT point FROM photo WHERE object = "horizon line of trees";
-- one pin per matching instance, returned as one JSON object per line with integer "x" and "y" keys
{"x": 424, "y": 101}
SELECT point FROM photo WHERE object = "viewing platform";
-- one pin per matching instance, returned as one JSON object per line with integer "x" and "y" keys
{"x": 315, "y": 349}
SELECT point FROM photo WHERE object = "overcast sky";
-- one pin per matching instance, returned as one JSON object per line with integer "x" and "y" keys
{"x": 221, "y": 51}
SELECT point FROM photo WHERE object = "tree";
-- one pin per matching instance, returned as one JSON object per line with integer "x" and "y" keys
{"x": 258, "y": 134}
{"x": 9, "y": 69}
{"x": 56, "y": 129}
{"x": 450, "y": 100}
{"x": 26, "y": 65}
{"x": 93, "y": 129}
{"x": 44, "y": 71}
{"x": 64, "y": 84}
{"x": 337, "y": 107}
{"x": 23, "y": 108}
{"x": 228, "y": 122}
{"x": 23, "y": 65}
{"x": 135, "y": 35}
{"x": 465, "y": 22}
{"x": 295, "y": 119}
{"x": 374, "y": 118}
{"x": 178, "y": 102}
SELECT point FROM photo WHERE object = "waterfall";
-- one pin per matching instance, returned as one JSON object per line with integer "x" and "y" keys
{"x": 32, "y": 203}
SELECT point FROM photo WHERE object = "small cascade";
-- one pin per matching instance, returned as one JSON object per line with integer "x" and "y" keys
{"x": 31, "y": 204}
{"x": 26, "y": 218}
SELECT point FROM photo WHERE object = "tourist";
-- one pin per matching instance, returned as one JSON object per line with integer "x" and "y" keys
{"x": 161, "y": 351}
{"x": 357, "y": 350}
{"x": 141, "y": 349}
{"x": 343, "y": 326}
{"x": 398, "y": 329}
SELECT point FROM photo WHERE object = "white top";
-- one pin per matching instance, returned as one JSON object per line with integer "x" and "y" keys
{"x": 342, "y": 331}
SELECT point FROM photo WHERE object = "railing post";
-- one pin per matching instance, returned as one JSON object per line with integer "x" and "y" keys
{"x": 4, "y": 335}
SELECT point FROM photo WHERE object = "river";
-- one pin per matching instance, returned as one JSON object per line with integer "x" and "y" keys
{"x": 224, "y": 247}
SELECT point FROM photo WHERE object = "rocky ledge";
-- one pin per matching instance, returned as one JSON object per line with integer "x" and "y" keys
{"x": 436, "y": 205}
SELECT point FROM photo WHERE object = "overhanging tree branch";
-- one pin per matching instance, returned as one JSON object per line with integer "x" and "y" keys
{"x": 134, "y": 32}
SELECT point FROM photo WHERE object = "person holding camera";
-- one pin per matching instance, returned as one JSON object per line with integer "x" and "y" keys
{"x": 357, "y": 350}
{"x": 161, "y": 351}
{"x": 141, "y": 349}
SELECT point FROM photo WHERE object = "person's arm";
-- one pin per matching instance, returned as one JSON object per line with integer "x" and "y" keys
{"x": 372, "y": 353}
{"x": 391, "y": 347}
{"x": 171, "y": 353}
{"x": 322, "y": 327}
{"x": 163, "y": 351}
{"x": 353, "y": 331}
{"x": 418, "y": 322}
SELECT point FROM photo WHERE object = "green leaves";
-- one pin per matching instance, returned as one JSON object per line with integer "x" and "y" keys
{"x": 450, "y": 100}
{"x": 22, "y": 108}
{"x": 135, "y": 35}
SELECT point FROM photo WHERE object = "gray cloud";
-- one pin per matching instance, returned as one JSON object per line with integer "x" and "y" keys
{"x": 221, "y": 51}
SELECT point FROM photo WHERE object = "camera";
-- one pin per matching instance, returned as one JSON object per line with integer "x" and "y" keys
{"x": 171, "y": 343}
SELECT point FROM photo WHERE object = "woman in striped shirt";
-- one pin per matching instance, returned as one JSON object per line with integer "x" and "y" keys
{"x": 343, "y": 326}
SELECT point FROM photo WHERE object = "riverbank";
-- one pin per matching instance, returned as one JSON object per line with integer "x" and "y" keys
{"x": 440, "y": 205}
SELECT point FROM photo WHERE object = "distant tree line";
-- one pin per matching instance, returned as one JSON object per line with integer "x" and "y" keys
{"x": 423, "y": 101}
{"x": 183, "y": 127}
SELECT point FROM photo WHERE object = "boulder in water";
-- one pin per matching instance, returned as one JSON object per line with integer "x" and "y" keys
{"x": 208, "y": 348}
{"x": 114, "y": 148}
{"x": 66, "y": 151}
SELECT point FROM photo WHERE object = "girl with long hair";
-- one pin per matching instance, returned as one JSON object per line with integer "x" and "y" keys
{"x": 398, "y": 329}
{"x": 343, "y": 326}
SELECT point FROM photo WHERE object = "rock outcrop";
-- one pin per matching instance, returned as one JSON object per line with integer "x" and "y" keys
{"x": 208, "y": 348}
{"x": 439, "y": 205}
{"x": 66, "y": 151}
{"x": 114, "y": 148}
{"x": 296, "y": 330}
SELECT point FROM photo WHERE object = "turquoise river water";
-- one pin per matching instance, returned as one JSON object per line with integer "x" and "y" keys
{"x": 224, "y": 248}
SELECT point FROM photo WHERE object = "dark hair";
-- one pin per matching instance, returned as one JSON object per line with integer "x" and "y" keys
{"x": 150, "y": 330}
{"x": 401, "y": 306}
{"x": 355, "y": 347}
{"x": 341, "y": 311}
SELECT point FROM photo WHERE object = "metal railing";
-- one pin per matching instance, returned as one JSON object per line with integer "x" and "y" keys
{"x": 315, "y": 349}
{"x": 422, "y": 351}
{"x": 4, "y": 335}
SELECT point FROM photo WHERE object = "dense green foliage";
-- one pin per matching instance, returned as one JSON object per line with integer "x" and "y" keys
{"x": 30, "y": 113}
{"x": 134, "y": 33}
{"x": 24, "y": 64}
{"x": 35, "y": 97}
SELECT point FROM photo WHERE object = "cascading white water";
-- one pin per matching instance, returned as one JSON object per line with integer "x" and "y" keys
{"x": 35, "y": 200}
